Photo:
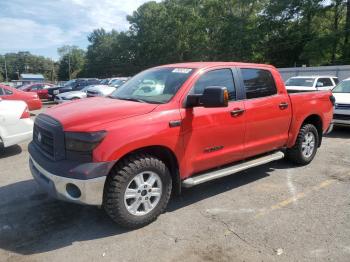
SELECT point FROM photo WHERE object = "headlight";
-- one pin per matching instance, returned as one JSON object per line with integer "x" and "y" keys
{"x": 83, "y": 142}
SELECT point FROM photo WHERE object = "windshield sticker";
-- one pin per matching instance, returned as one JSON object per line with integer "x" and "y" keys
{"x": 182, "y": 70}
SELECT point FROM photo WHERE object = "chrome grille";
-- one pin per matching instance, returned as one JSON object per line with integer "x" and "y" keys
{"x": 44, "y": 140}
{"x": 342, "y": 106}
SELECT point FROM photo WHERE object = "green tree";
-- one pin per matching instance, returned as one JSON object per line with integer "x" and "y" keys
{"x": 71, "y": 63}
{"x": 25, "y": 62}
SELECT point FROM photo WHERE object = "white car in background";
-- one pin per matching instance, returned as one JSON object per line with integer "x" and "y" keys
{"x": 15, "y": 123}
{"x": 311, "y": 83}
{"x": 342, "y": 103}
{"x": 99, "y": 90}
{"x": 72, "y": 95}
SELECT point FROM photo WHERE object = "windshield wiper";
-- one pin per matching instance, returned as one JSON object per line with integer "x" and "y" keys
{"x": 131, "y": 99}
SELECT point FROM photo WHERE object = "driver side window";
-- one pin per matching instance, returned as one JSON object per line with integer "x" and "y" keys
{"x": 220, "y": 77}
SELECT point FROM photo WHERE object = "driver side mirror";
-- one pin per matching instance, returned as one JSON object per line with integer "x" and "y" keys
{"x": 213, "y": 96}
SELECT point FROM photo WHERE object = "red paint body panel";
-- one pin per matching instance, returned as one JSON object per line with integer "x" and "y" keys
{"x": 32, "y": 99}
{"x": 42, "y": 93}
{"x": 131, "y": 125}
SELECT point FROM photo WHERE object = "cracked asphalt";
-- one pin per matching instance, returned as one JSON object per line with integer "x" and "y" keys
{"x": 276, "y": 212}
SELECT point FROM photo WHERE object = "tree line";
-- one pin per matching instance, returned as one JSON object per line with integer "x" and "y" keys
{"x": 284, "y": 33}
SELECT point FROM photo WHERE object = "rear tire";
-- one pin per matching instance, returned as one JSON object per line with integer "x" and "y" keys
{"x": 305, "y": 148}
{"x": 137, "y": 191}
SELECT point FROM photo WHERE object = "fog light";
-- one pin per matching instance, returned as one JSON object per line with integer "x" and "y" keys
{"x": 73, "y": 190}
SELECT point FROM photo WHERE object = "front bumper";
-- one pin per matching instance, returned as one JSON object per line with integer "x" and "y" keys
{"x": 341, "y": 122}
{"x": 81, "y": 183}
{"x": 90, "y": 191}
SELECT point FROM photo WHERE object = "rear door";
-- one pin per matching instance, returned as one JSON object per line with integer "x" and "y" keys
{"x": 213, "y": 136}
{"x": 267, "y": 112}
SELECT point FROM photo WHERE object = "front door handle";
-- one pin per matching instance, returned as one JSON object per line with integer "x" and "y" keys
{"x": 237, "y": 112}
{"x": 283, "y": 105}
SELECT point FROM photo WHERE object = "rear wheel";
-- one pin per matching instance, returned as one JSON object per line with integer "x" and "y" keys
{"x": 305, "y": 148}
{"x": 137, "y": 191}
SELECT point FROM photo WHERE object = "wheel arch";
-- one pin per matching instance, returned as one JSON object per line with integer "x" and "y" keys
{"x": 315, "y": 120}
{"x": 166, "y": 155}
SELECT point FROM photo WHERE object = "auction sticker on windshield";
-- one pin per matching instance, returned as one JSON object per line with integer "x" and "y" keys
{"x": 182, "y": 70}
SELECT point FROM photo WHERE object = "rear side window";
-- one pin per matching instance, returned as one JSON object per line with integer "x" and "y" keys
{"x": 220, "y": 77}
{"x": 324, "y": 82}
{"x": 8, "y": 92}
{"x": 336, "y": 80}
{"x": 258, "y": 83}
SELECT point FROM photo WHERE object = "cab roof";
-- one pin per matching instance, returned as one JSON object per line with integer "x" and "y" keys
{"x": 315, "y": 76}
{"x": 203, "y": 65}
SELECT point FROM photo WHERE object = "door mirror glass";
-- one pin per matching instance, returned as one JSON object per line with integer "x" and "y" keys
{"x": 213, "y": 96}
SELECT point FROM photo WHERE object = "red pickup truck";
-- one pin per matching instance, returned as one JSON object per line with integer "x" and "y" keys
{"x": 170, "y": 127}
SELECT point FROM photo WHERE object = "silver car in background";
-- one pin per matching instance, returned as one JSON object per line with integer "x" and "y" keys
{"x": 73, "y": 95}
{"x": 99, "y": 90}
{"x": 117, "y": 82}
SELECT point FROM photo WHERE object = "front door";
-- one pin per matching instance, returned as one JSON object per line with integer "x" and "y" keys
{"x": 213, "y": 136}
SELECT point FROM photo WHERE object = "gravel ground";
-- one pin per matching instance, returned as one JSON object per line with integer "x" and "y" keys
{"x": 276, "y": 212}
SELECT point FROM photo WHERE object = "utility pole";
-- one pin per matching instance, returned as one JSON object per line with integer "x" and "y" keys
{"x": 53, "y": 71}
{"x": 6, "y": 69}
{"x": 69, "y": 63}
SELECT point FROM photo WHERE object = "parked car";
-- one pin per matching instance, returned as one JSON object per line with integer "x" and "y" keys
{"x": 10, "y": 93}
{"x": 105, "y": 81}
{"x": 40, "y": 88}
{"x": 311, "y": 83}
{"x": 99, "y": 90}
{"x": 117, "y": 82}
{"x": 15, "y": 123}
{"x": 342, "y": 104}
{"x": 209, "y": 120}
{"x": 72, "y": 95}
{"x": 72, "y": 85}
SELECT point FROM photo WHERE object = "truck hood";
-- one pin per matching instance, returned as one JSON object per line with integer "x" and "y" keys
{"x": 88, "y": 114}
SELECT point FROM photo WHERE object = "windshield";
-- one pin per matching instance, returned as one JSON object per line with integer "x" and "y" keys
{"x": 343, "y": 87}
{"x": 69, "y": 83}
{"x": 157, "y": 85}
{"x": 309, "y": 82}
{"x": 104, "y": 82}
{"x": 23, "y": 87}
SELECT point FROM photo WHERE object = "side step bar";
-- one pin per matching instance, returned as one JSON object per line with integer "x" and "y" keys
{"x": 202, "y": 178}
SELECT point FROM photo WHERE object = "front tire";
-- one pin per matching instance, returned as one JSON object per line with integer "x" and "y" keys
{"x": 305, "y": 148}
{"x": 137, "y": 190}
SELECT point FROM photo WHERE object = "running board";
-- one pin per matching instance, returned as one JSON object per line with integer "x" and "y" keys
{"x": 199, "y": 179}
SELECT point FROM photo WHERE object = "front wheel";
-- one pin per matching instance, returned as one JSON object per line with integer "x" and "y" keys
{"x": 137, "y": 191}
{"x": 305, "y": 148}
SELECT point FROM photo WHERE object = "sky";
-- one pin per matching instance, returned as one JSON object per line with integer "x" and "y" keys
{"x": 41, "y": 26}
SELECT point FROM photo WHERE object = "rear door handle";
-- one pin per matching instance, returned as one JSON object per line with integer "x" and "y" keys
{"x": 283, "y": 105}
{"x": 237, "y": 112}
